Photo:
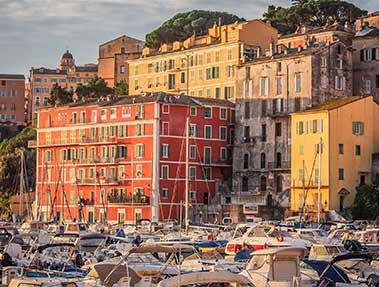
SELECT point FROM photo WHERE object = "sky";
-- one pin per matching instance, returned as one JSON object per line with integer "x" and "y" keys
{"x": 35, "y": 33}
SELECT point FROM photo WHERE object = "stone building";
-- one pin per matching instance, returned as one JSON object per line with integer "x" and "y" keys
{"x": 270, "y": 88}
{"x": 366, "y": 62}
{"x": 113, "y": 67}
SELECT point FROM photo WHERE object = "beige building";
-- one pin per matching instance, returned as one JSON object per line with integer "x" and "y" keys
{"x": 67, "y": 75}
{"x": 371, "y": 19}
{"x": 113, "y": 55}
{"x": 201, "y": 66}
{"x": 269, "y": 89}
{"x": 366, "y": 62}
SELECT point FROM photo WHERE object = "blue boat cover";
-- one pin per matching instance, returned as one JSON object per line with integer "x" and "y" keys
{"x": 333, "y": 272}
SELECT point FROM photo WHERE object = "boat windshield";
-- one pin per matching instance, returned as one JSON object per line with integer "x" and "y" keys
{"x": 276, "y": 233}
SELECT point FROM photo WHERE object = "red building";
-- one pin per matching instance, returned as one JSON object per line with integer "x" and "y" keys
{"x": 123, "y": 159}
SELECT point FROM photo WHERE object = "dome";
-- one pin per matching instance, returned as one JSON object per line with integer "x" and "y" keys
{"x": 67, "y": 55}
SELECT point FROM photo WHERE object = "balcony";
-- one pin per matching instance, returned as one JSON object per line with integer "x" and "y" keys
{"x": 76, "y": 141}
{"x": 97, "y": 181}
{"x": 283, "y": 165}
{"x": 129, "y": 200}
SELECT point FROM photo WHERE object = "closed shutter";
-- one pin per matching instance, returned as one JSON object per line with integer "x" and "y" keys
{"x": 362, "y": 55}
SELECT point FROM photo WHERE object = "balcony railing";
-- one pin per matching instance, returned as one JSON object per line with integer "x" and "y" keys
{"x": 77, "y": 140}
{"x": 135, "y": 200}
{"x": 279, "y": 165}
{"x": 99, "y": 181}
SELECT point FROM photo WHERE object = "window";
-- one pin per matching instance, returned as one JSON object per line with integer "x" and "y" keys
{"x": 263, "y": 133}
{"x": 341, "y": 174}
{"x": 358, "y": 128}
{"x": 164, "y": 193}
{"x": 139, "y": 172}
{"x": 340, "y": 83}
{"x": 140, "y": 129}
{"x": 209, "y": 58}
{"x": 278, "y": 129}
{"x": 246, "y": 161}
{"x": 192, "y": 173}
{"x": 245, "y": 184}
{"x": 171, "y": 81}
{"x": 192, "y": 152}
{"x": 278, "y": 160}
{"x": 247, "y": 110}
{"x": 324, "y": 62}
{"x": 139, "y": 150}
{"x": 228, "y": 92}
{"x": 193, "y": 111}
{"x": 217, "y": 93}
{"x": 122, "y": 151}
{"x": 263, "y": 183}
{"x": 229, "y": 71}
{"x": 122, "y": 131}
{"x": 165, "y": 109}
{"x": 140, "y": 111}
{"x": 207, "y": 173}
{"x": 301, "y": 149}
{"x": 367, "y": 87}
{"x": 366, "y": 55}
{"x": 193, "y": 195}
{"x": 223, "y": 153}
{"x": 263, "y": 160}
{"x": 340, "y": 148}
{"x": 165, "y": 150}
{"x": 193, "y": 130}
{"x": 165, "y": 128}
{"x": 208, "y": 132}
{"x": 278, "y": 106}
{"x": 297, "y": 82}
{"x": 264, "y": 86}
{"x": 297, "y": 104}
{"x": 377, "y": 80}
{"x": 263, "y": 108}
{"x": 278, "y": 67}
{"x": 122, "y": 69}
{"x": 217, "y": 56}
{"x": 182, "y": 77}
{"x": 207, "y": 113}
{"x": 278, "y": 86}
{"x": 222, "y": 133}
{"x": 246, "y": 133}
{"x": 207, "y": 155}
{"x": 165, "y": 172}
{"x": 200, "y": 75}
{"x": 103, "y": 115}
{"x": 339, "y": 63}
{"x": 222, "y": 114}
{"x": 358, "y": 150}
{"x": 212, "y": 73}
{"x": 230, "y": 54}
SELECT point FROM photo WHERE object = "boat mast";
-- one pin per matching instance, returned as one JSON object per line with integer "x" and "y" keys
{"x": 187, "y": 175}
{"x": 319, "y": 181}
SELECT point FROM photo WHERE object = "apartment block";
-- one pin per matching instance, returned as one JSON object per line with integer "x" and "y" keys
{"x": 113, "y": 56}
{"x": 201, "y": 66}
{"x": 123, "y": 159}
{"x": 332, "y": 147}
{"x": 12, "y": 99}
{"x": 269, "y": 89}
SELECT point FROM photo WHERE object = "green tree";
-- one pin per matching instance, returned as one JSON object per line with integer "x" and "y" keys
{"x": 10, "y": 165}
{"x": 183, "y": 25}
{"x": 95, "y": 88}
{"x": 366, "y": 202}
{"x": 60, "y": 96}
{"x": 121, "y": 89}
{"x": 312, "y": 13}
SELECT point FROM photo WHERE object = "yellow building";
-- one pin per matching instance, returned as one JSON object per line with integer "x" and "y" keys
{"x": 349, "y": 139}
{"x": 201, "y": 66}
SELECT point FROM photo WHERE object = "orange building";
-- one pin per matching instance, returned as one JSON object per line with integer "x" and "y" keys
{"x": 123, "y": 159}
{"x": 113, "y": 55}
{"x": 12, "y": 99}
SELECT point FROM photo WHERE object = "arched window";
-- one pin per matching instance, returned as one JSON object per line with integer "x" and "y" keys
{"x": 263, "y": 183}
{"x": 263, "y": 160}
{"x": 278, "y": 160}
{"x": 245, "y": 184}
{"x": 246, "y": 161}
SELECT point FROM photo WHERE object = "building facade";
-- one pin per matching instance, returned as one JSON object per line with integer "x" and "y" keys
{"x": 270, "y": 88}
{"x": 366, "y": 62}
{"x": 12, "y": 99}
{"x": 113, "y": 56}
{"x": 67, "y": 75}
{"x": 201, "y": 66}
{"x": 345, "y": 128}
{"x": 124, "y": 159}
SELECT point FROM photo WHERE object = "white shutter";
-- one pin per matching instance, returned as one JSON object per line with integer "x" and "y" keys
{"x": 267, "y": 87}
{"x": 251, "y": 88}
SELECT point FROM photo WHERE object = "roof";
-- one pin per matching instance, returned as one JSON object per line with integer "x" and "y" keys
{"x": 87, "y": 68}
{"x": 12, "y": 76}
{"x": 315, "y": 30}
{"x": 368, "y": 32}
{"x": 110, "y": 41}
{"x": 333, "y": 104}
{"x": 159, "y": 97}
{"x": 44, "y": 71}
